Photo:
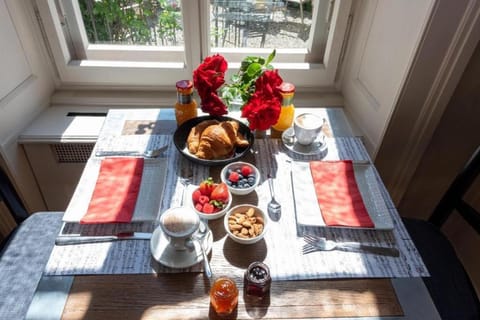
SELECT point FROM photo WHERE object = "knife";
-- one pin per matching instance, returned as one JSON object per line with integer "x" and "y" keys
{"x": 68, "y": 240}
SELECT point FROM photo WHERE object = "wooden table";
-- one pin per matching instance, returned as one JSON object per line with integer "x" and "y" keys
{"x": 185, "y": 296}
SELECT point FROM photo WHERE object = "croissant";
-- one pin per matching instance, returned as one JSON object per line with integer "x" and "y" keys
{"x": 193, "y": 139}
{"x": 211, "y": 139}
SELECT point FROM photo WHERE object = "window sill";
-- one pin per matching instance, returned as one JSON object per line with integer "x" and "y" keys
{"x": 166, "y": 98}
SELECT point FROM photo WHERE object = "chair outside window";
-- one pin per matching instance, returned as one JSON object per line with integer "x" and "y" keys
{"x": 300, "y": 4}
{"x": 239, "y": 21}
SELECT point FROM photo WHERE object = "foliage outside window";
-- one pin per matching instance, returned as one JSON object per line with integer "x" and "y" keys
{"x": 151, "y": 43}
{"x": 144, "y": 22}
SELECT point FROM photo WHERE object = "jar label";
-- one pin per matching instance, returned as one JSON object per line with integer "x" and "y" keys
{"x": 184, "y": 98}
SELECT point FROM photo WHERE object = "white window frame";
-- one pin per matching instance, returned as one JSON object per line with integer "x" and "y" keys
{"x": 78, "y": 63}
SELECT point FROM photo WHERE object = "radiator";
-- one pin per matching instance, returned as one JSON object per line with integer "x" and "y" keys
{"x": 57, "y": 168}
{"x": 58, "y": 144}
{"x": 72, "y": 152}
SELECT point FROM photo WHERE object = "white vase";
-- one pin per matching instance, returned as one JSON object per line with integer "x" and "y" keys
{"x": 235, "y": 106}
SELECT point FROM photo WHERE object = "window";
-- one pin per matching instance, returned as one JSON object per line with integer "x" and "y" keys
{"x": 145, "y": 43}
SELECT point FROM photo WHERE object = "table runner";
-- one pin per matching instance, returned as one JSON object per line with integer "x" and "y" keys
{"x": 281, "y": 248}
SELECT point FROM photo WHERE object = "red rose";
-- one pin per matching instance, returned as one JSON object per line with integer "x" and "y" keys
{"x": 207, "y": 78}
{"x": 210, "y": 75}
{"x": 263, "y": 108}
{"x": 213, "y": 105}
{"x": 267, "y": 84}
{"x": 215, "y": 62}
{"x": 261, "y": 113}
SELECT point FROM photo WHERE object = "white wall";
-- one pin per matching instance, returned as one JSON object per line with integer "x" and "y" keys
{"x": 26, "y": 84}
{"x": 383, "y": 42}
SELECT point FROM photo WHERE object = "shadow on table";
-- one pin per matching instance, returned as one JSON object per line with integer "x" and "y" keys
{"x": 240, "y": 256}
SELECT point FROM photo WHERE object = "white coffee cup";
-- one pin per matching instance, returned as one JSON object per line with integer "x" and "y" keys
{"x": 307, "y": 126}
{"x": 179, "y": 224}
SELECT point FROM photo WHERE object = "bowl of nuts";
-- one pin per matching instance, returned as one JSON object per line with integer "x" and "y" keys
{"x": 246, "y": 223}
{"x": 241, "y": 177}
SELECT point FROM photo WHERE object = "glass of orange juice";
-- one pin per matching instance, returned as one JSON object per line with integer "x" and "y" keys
{"x": 285, "y": 120}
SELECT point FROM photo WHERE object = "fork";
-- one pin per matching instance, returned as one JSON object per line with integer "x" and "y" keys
{"x": 151, "y": 153}
{"x": 315, "y": 243}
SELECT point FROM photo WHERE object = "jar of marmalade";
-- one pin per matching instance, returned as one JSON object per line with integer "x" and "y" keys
{"x": 257, "y": 280}
{"x": 186, "y": 106}
{"x": 224, "y": 296}
{"x": 285, "y": 120}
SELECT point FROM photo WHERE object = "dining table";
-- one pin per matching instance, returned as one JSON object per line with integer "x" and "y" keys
{"x": 123, "y": 280}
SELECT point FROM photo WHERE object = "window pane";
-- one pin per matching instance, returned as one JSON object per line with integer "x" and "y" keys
{"x": 133, "y": 22}
{"x": 260, "y": 24}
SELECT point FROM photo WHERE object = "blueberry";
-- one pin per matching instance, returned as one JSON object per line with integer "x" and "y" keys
{"x": 258, "y": 273}
{"x": 251, "y": 181}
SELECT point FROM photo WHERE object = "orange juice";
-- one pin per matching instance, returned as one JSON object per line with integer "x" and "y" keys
{"x": 285, "y": 120}
{"x": 186, "y": 106}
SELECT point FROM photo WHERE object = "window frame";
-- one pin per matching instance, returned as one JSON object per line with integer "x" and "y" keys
{"x": 78, "y": 64}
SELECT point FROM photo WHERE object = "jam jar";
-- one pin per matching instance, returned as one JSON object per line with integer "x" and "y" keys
{"x": 257, "y": 280}
{"x": 224, "y": 296}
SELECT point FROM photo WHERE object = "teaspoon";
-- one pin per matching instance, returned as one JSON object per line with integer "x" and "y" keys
{"x": 274, "y": 208}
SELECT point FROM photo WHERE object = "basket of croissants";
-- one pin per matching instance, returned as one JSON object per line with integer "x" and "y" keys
{"x": 213, "y": 140}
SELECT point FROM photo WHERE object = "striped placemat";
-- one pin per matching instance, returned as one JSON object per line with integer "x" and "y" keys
{"x": 281, "y": 247}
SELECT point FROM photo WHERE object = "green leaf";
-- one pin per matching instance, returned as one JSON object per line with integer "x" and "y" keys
{"x": 271, "y": 56}
{"x": 254, "y": 69}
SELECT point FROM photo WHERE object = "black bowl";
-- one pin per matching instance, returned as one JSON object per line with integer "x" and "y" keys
{"x": 181, "y": 134}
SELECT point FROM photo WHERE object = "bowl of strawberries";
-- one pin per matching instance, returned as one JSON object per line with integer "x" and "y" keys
{"x": 211, "y": 200}
{"x": 241, "y": 177}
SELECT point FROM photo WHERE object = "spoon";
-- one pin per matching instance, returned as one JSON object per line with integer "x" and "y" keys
{"x": 152, "y": 153}
{"x": 185, "y": 182}
{"x": 274, "y": 208}
{"x": 199, "y": 236}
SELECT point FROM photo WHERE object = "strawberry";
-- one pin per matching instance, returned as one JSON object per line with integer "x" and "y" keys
{"x": 203, "y": 199}
{"x": 196, "y": 195}
{"x": 199, "y": 207}
{"x": 220, "y": 193}
{"x": 246, "y": 171}
{"x": 206, "y": 186}
{"x": 217, "y": 204}
{"x": 233, "y": 177}
{"x": 207, "y": 208}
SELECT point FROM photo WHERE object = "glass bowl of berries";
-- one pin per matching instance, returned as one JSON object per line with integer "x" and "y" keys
{"x": 211, "y": 200}
{"x": 241, "y": 177}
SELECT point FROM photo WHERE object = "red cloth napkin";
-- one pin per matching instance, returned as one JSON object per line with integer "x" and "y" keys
{"x": 338, "y": 196}
{"x": 116, "y": 191}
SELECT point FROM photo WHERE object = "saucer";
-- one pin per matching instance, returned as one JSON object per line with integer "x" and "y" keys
{"x": 319, "y": 146}
{"x": 164, "y": 253}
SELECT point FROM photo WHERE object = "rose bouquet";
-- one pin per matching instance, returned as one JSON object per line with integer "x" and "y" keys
{"x": 255, "y": 85}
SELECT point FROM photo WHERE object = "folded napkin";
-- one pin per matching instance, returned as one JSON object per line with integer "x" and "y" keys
{"x": 338, "y": 196}
{"x": 116, "y": 191}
